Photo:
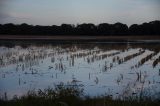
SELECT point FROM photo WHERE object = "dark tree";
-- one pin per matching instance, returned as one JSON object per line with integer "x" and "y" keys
{"x": 151, "y": 28}
{"x": 104, "y": 29}
{"x": 119, "y": 29}
{"x": 86, "y": 29}
{"x": 67, "y": 29}
{"x": 134, "y": 29}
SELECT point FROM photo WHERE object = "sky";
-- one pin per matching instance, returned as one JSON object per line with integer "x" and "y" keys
{"x": 57, "y": 12}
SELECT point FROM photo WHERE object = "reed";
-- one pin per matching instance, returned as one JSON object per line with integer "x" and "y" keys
{"x": 73, "y": 96}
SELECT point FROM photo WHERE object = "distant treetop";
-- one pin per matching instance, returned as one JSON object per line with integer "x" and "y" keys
{"x": 151, "y": 28}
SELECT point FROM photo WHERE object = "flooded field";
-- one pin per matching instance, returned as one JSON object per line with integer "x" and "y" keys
{"x": 100, "y": 68}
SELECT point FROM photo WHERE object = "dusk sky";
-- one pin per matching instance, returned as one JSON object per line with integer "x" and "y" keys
{"x": 49, "y": 12}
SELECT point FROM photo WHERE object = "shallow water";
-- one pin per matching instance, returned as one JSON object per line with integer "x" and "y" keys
{"x": 99, "y": 68}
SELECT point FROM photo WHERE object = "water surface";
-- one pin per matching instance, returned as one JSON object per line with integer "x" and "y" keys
{"x": 99, "y": 68}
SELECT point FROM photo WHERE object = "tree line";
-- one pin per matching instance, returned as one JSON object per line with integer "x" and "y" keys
{"x": 150, "y": 28}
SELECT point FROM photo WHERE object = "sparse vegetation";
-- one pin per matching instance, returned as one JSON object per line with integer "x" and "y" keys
{"x": 73, "y": 96}
{"x": 147, "y": 58}
{"x": 66, "y": 57}
{"x": 129, "y": 57}
{"x": 156, "y": 61}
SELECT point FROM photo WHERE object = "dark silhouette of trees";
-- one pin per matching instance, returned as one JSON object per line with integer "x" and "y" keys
{"x": 104, "y": 29}
{"x": 8, "y": 28}
{"x": 151, "y": 28}
{"x": 115, "y": 29}
{"x": 86, "y": 29}
{"x": 120, "y": 29}
{"x": 134, "y": 29}
{"x": 67, "y": 29}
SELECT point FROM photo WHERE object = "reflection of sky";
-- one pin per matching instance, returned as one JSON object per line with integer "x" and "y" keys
{"x": 37, "y": 73}
{"x": 47, "y": 12}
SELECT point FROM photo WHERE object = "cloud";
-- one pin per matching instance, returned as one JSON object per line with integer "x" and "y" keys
{"x": 13, "y": 18}
{"x": 78, "y": 11}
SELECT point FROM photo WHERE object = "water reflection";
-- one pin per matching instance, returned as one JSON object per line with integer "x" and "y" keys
{"x": 123, "y": 69}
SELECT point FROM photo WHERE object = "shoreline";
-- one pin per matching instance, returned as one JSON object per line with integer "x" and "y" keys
{"x": 78, "y": 37}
